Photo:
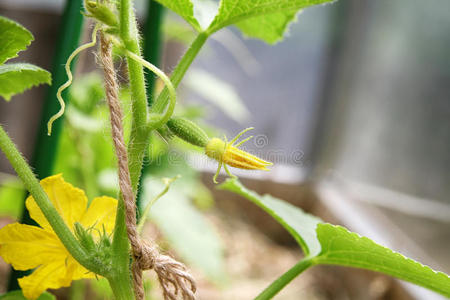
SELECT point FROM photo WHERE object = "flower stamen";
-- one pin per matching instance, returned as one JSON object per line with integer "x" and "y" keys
{"x": 228, "y": 154}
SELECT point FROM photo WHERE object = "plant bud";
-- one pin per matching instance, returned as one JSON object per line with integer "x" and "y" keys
{"x": 102, "y": 12}
{"x": 84, "y": 237}
{"x": 188, "y": 131}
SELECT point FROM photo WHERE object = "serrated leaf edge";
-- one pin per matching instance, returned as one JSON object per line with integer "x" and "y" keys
{"x": 17, "y": 25}
{"x": 214, "y": 26}
{"x": 34, "y": 68}
{"x": 321, "y": 258}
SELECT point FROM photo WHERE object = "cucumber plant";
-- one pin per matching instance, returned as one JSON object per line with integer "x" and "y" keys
{"x": 102, "y": 238}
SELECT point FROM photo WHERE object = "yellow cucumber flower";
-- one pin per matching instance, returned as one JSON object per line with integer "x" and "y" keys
{"x": 30, "y": 247}
{"x": 227, "y": 153}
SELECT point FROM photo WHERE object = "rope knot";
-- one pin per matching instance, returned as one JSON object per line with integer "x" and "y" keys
{"x": 145, "y": 255}
{"x": 172, "y": 275}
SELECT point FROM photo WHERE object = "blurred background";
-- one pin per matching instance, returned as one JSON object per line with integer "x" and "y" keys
{"x": 353, "y": 108}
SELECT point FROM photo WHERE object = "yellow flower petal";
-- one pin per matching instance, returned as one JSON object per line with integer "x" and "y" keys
{"x": 49, "y": 276}
{"x": 26, "y": 247}
{"x": 241, "y": 159}
{"x": 69, "y": 201}
{"x": 101, "y": 212}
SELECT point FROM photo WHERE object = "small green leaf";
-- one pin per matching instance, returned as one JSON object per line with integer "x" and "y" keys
{"x": 17, "y": 295}
{"x": 185, "y": 9}
{"x": 264, "y": 19}
{"x": 345, "y": 248}
{"x": 13, "y": 39}
{"x": 16, "y": 78}
{"x": 301, "y": 226}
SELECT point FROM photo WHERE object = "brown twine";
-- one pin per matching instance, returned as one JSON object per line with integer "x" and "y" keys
{"x": 172, "y": 275}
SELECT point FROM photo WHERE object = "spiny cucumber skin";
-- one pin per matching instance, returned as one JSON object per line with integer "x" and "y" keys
{"x": 188, "y": 131}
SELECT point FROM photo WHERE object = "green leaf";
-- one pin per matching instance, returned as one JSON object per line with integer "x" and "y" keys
{"x": 269, "y": 28}
{"x": 264, "y": 19}
{"x": 16, "y": 78}
{"x": 301, "y": 226}
{"x": 330, "y": 244}
{"x": 345, "y": 248}
{"x": 13, "y": 39}
{"x": 188, "y": 231}
{"x": 185, "y": 9}
{"x": 17, "y": 295}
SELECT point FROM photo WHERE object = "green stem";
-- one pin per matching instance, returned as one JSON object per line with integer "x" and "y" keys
{"x": 140, "y": 132}
{"x": 180, "y": 70}
{"x": 160, "y": 119}
{"x": 32, "y": 185}
{"x": 121, "y": 288}
{"x": 121, "y": 280}
{"x": 129, "y": 37}
{"x": 120, "y": 247}
{"x": 139, "y": 129}
{"x": 284, "y": 279}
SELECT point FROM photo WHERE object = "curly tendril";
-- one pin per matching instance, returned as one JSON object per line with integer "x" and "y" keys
{"x": 155, "y": 121}
{"x": 70, "y": 78}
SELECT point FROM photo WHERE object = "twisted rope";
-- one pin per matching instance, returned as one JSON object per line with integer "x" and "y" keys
{"x": 172, "y": 275}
